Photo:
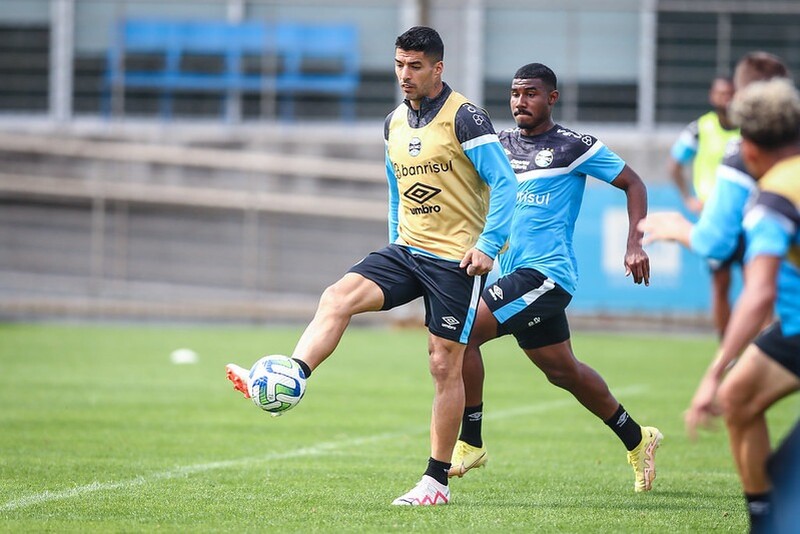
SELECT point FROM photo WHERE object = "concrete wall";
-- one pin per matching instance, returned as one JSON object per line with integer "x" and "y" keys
{"x": 89, "y": 227}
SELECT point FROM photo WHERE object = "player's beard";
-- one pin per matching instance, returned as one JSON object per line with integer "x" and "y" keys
{"x": 526, "y": 121}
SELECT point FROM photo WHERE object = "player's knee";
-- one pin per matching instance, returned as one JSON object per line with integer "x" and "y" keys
{"x": 735, "y": 403}
{"x": 563, "y": 376}
{"x": 445, "y": 366}
{"x": 334, "y": 301}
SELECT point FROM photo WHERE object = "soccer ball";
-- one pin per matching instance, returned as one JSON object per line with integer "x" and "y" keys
{"x": 276, "y": 383}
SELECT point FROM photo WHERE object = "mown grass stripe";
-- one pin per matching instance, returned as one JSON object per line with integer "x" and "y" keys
{"x": 316, "y": 450}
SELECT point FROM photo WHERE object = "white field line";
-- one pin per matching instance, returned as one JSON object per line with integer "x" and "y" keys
{"x": 320, "y": 449}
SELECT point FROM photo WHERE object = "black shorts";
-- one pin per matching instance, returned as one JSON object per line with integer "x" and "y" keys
{"x": 451, "y": 295}
{"x": 737, "y": 258}
{"x": 784, "y": 350}
{"x": 530, "y": 306}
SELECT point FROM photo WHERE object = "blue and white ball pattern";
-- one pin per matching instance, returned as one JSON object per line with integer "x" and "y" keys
{"x": 276, "y": 383}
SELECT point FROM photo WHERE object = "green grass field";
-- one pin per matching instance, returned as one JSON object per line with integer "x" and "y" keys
{"x": 100, "y": 432}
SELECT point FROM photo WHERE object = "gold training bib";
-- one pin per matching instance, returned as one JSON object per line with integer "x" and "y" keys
{"x": 443, "y": 201}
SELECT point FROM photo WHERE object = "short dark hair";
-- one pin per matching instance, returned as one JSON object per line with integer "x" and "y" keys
{"x": 763, "y": 66}
{"x": 422, "y": 39}
{"x": 539, "y": 72}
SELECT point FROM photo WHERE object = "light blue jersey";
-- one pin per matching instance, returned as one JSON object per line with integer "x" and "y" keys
{"x": 685, "y": 147}
{"x": 716, "y": 234}
{"x": 772, "y": 228}
{"x": 551, "y": 170}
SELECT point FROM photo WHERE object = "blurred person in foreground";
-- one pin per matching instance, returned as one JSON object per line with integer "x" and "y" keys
{"x": 768, "y": 367}
{"x": 702, "y": 144}
{"x": 717, "y": 234}
{"x": 783, "y": 468}
{"x": 451, "y": 197}
{"x": 539, "y": 268}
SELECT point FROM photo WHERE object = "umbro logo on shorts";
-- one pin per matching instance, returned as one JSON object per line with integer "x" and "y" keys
{"x": 450, "y": 322}
{"x": 496, "y": 292}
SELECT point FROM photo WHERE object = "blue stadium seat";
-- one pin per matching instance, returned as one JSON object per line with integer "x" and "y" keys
{"x": 299, "y": 50}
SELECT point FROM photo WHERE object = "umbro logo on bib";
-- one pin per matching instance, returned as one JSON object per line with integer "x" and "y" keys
{"x": 421, "y": 193}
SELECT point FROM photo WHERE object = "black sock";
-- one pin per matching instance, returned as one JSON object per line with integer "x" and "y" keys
{"x": 438, "y": 470}
{"x": 304, "y": 366}
{"x": 760, "y": 508}
{"x": 471, "y": 425}
{"x": 625, "y": 428}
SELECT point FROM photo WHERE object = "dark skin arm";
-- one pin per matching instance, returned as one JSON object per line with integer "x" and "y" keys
{"x": 637, "y": 263}
{"x": 676, "y": 172}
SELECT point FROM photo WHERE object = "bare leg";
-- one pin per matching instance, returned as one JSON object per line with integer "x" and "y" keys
{"x": 562, "y": 369}
{"x": 720, "y": 304}
{"x": 351, "y": 295}
{"x": 754, "y": 384}
{"x": 446, "y": 360}
{"x": 485, "y": 329}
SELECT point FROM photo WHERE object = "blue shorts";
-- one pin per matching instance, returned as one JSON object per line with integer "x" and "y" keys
{"x": 451, "y": 296}
{"x": 783, "y": 349}
{"x": 530, "y": 306}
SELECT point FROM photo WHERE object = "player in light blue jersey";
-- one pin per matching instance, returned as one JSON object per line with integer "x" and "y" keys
{"x": 717, "y": 234}
{"x": 768, "y": 368}
{"x": 539, "y": 270}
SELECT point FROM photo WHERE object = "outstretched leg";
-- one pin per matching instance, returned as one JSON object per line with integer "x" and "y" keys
{"x": 564, "y": 370}
{"x": 351, "y": 295}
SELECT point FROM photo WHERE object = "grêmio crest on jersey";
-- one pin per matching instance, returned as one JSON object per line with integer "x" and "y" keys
{"x": 558, "y": 148}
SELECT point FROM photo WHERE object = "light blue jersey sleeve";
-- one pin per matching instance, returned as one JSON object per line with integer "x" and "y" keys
{"x": 769, "y": 233}
{"x": 685, "y": 147}
{"x": 716, "y": 233}
{"x": 771, "y": 228}
{"x": 489, "y": 159}
{"x": 601, "y": 163}
{"x": 394, "y": 200}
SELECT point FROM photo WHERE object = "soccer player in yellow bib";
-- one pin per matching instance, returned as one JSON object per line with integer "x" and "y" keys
{"x": 702, "y": 143}
{"x": 451, "y": 197}
{"x": 768, "y": 367}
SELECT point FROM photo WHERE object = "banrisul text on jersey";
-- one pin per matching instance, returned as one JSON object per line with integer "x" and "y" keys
{"x": 442, "y": 162}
